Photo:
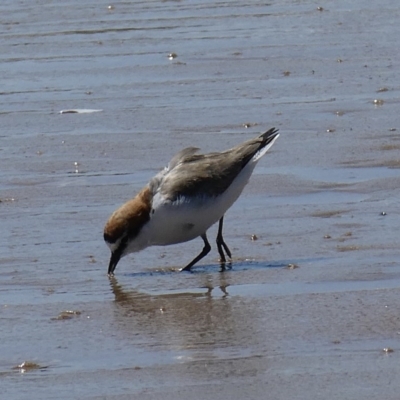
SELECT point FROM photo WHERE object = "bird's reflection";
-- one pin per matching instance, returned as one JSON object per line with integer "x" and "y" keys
{"x": 184, "y": 319}
{"x": 143, "y": 302}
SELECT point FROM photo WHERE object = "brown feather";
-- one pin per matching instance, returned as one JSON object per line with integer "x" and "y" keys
{"x": 129, "y": 218}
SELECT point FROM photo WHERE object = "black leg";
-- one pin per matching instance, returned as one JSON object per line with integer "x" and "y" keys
{"x": 204, "y": 252}
{"x": 221, "y": 244}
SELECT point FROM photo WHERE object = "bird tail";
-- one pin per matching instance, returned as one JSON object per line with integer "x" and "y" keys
{"x": 267, "y": 140}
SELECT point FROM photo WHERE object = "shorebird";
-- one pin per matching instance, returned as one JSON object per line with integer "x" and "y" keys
{"x": 182, "y": 201}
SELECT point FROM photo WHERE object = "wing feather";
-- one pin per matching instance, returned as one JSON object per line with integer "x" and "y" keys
{"x": 209, "y": 175}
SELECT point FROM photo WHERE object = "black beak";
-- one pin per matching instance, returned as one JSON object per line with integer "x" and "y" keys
{"x": 115, "y": 257}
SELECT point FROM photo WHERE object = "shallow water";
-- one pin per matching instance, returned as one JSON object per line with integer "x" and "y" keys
{"x": 315, "y": 201}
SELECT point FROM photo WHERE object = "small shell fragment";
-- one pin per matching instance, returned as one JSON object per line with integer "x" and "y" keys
{"x": 249, "y": 124}
{"x": 79, "y": 111}
{"x": 28, "y": 366}
{"x": 388, "y": 350}
{"x": 67, "y": 314}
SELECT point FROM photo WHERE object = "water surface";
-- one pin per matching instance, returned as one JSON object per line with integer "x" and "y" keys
{"x": 325, "y": 199}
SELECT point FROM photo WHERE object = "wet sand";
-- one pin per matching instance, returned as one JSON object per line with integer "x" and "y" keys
{"x": 325, "y": 199}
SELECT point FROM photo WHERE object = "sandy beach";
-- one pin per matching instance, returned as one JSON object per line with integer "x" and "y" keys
{"x": 308, "y": 310}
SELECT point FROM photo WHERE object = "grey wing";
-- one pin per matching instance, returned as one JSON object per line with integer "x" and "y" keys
{"x": 211, "y": 174}
{"x": 156, "y": 182}
{"x": 200, "y": 175}
{"x": 181, "y": 156}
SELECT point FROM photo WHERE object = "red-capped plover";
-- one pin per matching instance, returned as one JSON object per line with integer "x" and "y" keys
{"x": 183, "y": 200}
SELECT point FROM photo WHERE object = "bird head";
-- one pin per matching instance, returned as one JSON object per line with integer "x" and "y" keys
{"x": 123, "y": 227}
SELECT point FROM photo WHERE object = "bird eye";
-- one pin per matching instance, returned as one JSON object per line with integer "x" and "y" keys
{"x": 108, "y": 238}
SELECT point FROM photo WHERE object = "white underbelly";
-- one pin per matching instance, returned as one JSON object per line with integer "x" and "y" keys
{"x": 189, "y": 218}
